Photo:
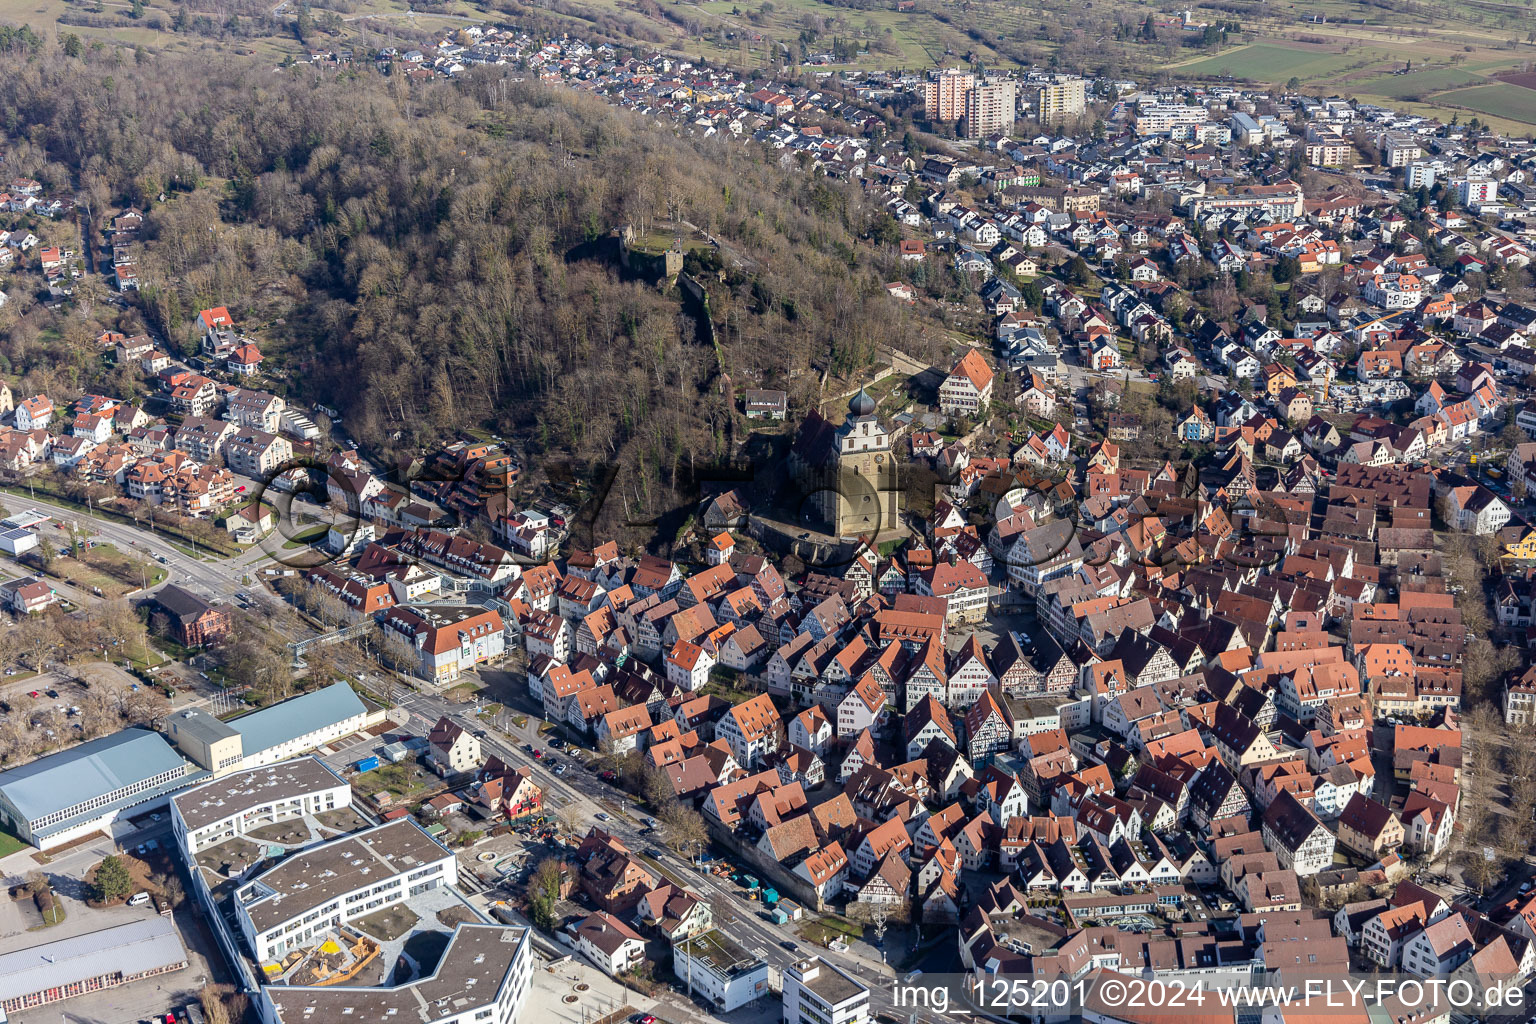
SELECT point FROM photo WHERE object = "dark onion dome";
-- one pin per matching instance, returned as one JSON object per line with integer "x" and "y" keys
{"x": 861, "y": 404}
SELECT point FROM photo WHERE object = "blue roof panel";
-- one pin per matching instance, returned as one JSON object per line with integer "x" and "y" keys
{"x": 91, "y": 770}
{"x": 280, "y": 723}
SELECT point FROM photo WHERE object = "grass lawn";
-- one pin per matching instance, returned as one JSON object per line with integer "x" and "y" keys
{"x": 723, "y": 683}
{"x": 89, "y": 572}
{"x": 399, "y": 779}
{"x": 52, "y": 916}
{"x": 848, "y": 928}
{"x": 10, "y": 844}
{"x": 123, "y": 566}
{"x": 829, "y": 929}
{"x": 463, "y": 693}
{"x": 304, "y": 538}
{"x": 661, "y": 241}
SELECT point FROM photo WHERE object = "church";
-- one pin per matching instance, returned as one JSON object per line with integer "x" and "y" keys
{"x": 847, "y": 472}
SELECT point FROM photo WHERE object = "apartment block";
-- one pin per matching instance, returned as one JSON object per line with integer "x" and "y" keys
{"x": 319, "y": 889}
{"x": 1065, "y": 97}
{"x": 944, "y": 96}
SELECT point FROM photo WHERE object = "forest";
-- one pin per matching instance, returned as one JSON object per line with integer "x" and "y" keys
{"x": 432, "y": 257}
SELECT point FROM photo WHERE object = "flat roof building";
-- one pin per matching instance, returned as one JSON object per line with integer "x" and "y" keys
{"x": 26, "y": 520}
{"x": 319, "y": 889}
{"x": 816, "y": 992}
{"x": 17, "y": 541}
{"x": 712, "y": 964}
{"x": 483, "y": 976}
{"x": 55, "y": 971}
{"x": 60, "y": 797}
{"x": 203, "y": 738}
{"x": 238, "y": 803}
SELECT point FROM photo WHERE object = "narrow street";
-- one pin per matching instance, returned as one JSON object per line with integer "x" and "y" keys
{"x": 580, "y": 795}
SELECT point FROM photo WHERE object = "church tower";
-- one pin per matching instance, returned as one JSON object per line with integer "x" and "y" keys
{"x": 867, "y": 498}
{"x": 847, "y": 472}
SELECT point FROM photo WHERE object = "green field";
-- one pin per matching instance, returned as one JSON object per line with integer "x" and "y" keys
{"x": 1502, "y": 100}
{"x": 10, "y": 844}
{"x": 1419, "y": 83}
{"x": 1267, "y": 62}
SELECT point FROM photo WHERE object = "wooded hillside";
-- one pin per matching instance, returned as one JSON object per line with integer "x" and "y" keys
{"x": 431, "y": 256}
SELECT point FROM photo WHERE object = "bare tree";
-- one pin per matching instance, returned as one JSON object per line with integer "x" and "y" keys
{"x": 214, "y": 1009}
{"x": 685, "y": 830}
{"x": 880, "y": 916}
{"x": 398, "y": 652}
{"x": 145, "y": 705}
{"x": 169, "y": 884}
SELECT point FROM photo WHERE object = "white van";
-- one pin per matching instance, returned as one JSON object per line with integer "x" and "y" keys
{"x": 139, "y": 899}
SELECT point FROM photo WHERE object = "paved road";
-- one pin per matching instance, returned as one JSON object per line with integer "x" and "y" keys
{"x": 207, "y": 574}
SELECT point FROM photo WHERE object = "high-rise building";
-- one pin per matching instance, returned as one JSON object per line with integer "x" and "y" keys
{"x": 1065, "y": 97}
{"x": 1419, "y": 174}
{"x": 944, "y": 96}
{"x": 991, "y": 107}
{"x": 1475, "y": 192}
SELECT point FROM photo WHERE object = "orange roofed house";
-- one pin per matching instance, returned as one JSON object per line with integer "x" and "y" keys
{"x": 448, "y": 639}
{"x": 968, "y": 388}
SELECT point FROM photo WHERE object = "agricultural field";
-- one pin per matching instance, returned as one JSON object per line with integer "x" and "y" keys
{"x": 1272, "y": 63}
{"x": 1445, "y": 92}
{"x": 1417, "y": 84}
{"x": 1513, "y": 102}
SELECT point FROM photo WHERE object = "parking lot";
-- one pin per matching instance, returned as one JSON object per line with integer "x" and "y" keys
{"x": 20, "y": 928}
